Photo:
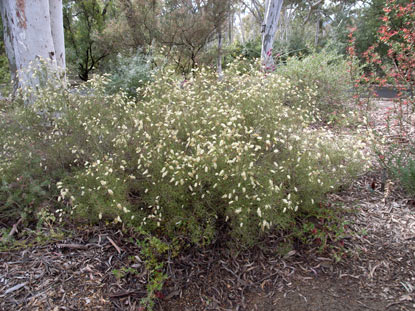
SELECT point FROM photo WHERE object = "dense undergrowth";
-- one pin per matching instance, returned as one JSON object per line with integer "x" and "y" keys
{"x": 192, "y": 161}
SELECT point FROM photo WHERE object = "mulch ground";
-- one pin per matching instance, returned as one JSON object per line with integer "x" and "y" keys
{"x": 378, "y": 272}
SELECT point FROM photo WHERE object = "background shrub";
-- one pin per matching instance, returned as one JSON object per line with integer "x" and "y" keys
{"x": 405, "y": 172}
{"x": 323, "y": 75}
{"x": 129, "y": 72}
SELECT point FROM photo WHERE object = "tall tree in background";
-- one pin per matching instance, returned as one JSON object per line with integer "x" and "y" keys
{"x": 143, "y": 16}
{"x": 186, "y": 29}
{"x": 218, "y": 13}
{"x": 273, "y": 10}
{"x": 183, "y": 27}
{"x": 32, "y": 30}
{"x": 368, "y": 24}
{"x": 256, "y": 8}
{"x": 84, "y": 22}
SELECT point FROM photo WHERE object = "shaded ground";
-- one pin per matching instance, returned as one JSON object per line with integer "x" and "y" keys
{"x": 378, "y": 272}
{"x": 378, "y": 275}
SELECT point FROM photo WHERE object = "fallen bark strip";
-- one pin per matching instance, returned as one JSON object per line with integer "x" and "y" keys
{"x": 14, "y": 288}
{"x": 115, "y": 245}
{"x": 72, "y": 246}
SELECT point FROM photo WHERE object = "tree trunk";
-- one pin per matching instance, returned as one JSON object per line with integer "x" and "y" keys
{"x": 230, "y": 26}
{"x": 33, "y": 30}
{"x": 266, "y": 7}
{"x": 316, "y": 38}
{"x": 219, "y": 60}
{"x": 241, "y": 26}
{"x": 269, "y": 30}
{"x": 56, "y": 23}
{"x": 8, "y": 45}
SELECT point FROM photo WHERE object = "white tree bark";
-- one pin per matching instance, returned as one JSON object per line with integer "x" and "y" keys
{"x": 241, "y": 27}
{"x": 266, "y": 7}
{"x": 56, "y": 23}
{"x": 33, "y": 30}
{"x": 8, "y": 44}
{"x": 269, "y": 29}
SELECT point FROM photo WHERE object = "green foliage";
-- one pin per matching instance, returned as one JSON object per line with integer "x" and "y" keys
{"x": 84, "y": 22}
{"x": 22, "y": 194}
{"x": 154, "y": 251}
{"x": 324, "y": 74}
{"x": 406, "y": 174}
{"x": 124, "y": 271}
{"x": 128, "y": 73}
{"x": 4, "y": 64}
{"x": 250, "y": 50}
{"x": 38, "y": 143}
{"x": 4, "y": 68}
{"x": 399, "y": 162}
{"x": 296, "y": 45}
{"x": 325, "y": 230}
{"x": 192, "y": 160}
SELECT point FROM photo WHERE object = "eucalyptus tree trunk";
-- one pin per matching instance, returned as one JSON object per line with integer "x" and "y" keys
{"x": 33, "y": 30}
{"x": 219, "y": 60}
{"x": 241, "y": 27}
{"x": 317, "y": 33}
{"x": 266, "y": 7}
{"x": 284, "y": 23}
{"x": 269, "y": 29}
{"x": 230, "y": 27}
{"x": 56, "y": 25}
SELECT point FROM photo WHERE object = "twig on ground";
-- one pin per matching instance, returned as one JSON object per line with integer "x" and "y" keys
{"x": 115, "y": 245}
{"x": 72, "y": 246}
{"x": 13, "y": 230}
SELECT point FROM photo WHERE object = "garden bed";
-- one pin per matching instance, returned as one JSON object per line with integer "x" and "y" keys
{"x": 92, "y": 270}
{"x": 377, "y": 273}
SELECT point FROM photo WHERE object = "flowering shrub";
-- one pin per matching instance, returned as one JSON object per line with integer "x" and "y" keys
{"x": 396, "y": 68}
{"x": 325, "y": 74}
{"x": 43, "y": 142}
{"x": 191, "y": 159}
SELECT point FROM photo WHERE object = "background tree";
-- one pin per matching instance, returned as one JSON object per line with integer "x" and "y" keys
{"x": 32, "y": 30}
{"x": 218, "y": 13}
{"x": 256, "y": 8}
{"x": 185, "y": 28}
{"x": 187, "y": 33}
{"x": 303, "y": 25}
{"x": 368, "y": 23}
{"x": 84, "y": 22}
{"x": 270, "y": 25}
{"x": 135, "y": 24}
